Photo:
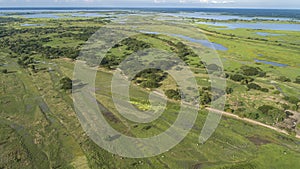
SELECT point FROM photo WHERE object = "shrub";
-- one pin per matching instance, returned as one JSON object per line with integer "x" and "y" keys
{"x": 252, "y": 71}
{"x": 297, "y": 80}
{"x": 254, "y": 86}
{"x": 237, "y": 77}
{"x": 292, "y": 99}
{"x": 284, "y": 79}
{"x": 205, "y": 98}
{"x": 229, "y": 90}
{"x": 249, "y": 71}
{"x": 150, "y": 83}
{"x": 173, "y": 94}
{"x": 66, "y": 83}
{"x": 4, "y": 71}
{"x": 264, "y": 90}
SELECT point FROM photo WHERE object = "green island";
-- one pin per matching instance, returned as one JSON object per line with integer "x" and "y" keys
{"x": 260, "y": 127}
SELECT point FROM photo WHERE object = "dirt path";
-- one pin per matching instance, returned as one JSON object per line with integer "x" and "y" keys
{"x": 248, "y": 120}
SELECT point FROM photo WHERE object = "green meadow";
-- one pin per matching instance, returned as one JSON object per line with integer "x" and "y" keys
{"x": 40, "y": 129}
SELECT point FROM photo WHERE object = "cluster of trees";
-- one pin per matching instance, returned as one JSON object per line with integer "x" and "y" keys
{"x": 257, "y": 87}
{"x": 132, "y": 45}
{"x": 252, "y": 71}
{"x": 25, "y": 61}
{"x": 173, "y": 94}
{"x": 184, "y": 51}
{"x": 35, "y": 44}
{"x": 4, "y": 71}
{"x": 150, "y": 78}
{"x": 273, "y": 112}
{"x": 22, "y": 46}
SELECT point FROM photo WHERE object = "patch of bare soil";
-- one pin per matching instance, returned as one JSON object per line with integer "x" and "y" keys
{"x": 258, "y": 141}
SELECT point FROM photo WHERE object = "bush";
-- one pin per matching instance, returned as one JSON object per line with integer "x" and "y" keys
{"x": 252, "y": 71}
{"x": 66, "y": 83}
{"x": 150, "y": 83}
{"x": 292, "y": 99}
{"x": 249, "y": 71}
{"x": 237, "y": 77}
{"x": 173, "y": 94}
{"x": 4, "y": 71}
{"x": 254, "y": 86}
{"x": 205, "y": 98}
{"x": 229, "y": 90}
{"x": 264, "y": 90}
{"x": 273, "y": 112}
{"x": 284, "y": 79}
{"x": 297, "y": 80}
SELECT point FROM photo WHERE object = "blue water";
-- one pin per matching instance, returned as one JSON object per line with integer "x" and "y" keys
{"x": 27, "y": 24}
{"x": 222, "y": 16}
{"x": 271, "y": 63}
{"x": 88, "y": 15}
{"x": 272, "y": 13}
{"x": 203, "y": 42}
{"x": 268, "y": 34}
{"x": 265, "y": 26}
{"x": 42, "y": 15}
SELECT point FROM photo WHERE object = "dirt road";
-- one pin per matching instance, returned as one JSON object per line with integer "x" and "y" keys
{"x": 248, "y": 120}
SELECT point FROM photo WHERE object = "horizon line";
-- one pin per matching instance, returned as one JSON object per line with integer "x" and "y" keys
{"x": 145, "y": 7}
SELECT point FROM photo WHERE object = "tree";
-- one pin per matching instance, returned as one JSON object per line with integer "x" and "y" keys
{"x": 205, "y": 98}
{"x": 4, "y": 71}
{"x": 173, "y": 94}
{"x": 237, "y": 77}
{"x": 254, "y": 86}
{"x": 297, "y": 80}
{"x": 284, "y": 79}
{"x": 66, "y": 83}
{"x": 229, "y": 90}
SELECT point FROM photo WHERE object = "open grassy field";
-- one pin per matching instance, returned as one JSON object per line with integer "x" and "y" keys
{"x": 39, "y": 126}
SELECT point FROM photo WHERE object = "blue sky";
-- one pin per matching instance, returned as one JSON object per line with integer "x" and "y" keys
{"x": 153, "y": 3}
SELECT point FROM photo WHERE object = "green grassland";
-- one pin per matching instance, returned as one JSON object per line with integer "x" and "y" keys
{"x": 39, "y": 127}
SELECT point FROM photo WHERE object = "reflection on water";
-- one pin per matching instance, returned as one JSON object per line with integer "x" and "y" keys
{"x": 27, "y": 24}
{"x": 218, "y": 16}
{"x": 266, "y": 26}
{"x": 268, "y": 34}
{"x": 203, "y": 42}
{"x": 271, "y": 63}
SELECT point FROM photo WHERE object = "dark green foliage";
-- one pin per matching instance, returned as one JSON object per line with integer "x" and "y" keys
{"x": 297, "y": 80}
{"x": 150, "y": 78}
{"x": 264, "y": 90}
{"x": 252, "y": 71}
{"x": 184, "y": 51}
{"x": 150, "y": 83}
{"x": 284, "y": 79}
{"x": 229, "y": 90}
{"x": 273, "y": 112}
{"x": 4, "y": 71}
{"x": 173, "y": 94}
{"x": 237, "y": 77}
{"x": 134, "y": 44}
{"x": 66, "y": 83}
{"x": 205, "y": 98}
{"x": 25, "y": 61}
{"x": 292, "y": 99}
{"x": 254, "y": 86}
